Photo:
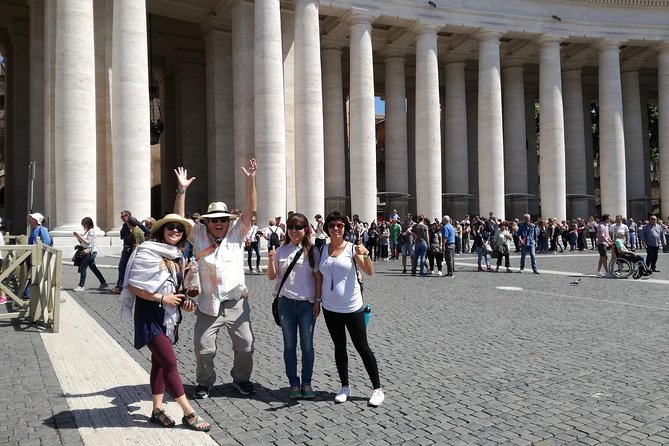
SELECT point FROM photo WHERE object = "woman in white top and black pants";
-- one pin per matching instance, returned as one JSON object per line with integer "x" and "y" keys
{"x": 299, "y": 301}
{"x": 342, "y": 303}
{"x": 89, "y": 242}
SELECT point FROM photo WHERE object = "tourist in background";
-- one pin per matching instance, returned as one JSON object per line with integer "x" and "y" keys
{"x": 88, "y": 241}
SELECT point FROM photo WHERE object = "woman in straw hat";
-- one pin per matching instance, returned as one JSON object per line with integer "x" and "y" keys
{"x": 152, "y": 282}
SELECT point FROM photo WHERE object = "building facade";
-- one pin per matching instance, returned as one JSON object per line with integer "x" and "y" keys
{"x": 293, "y": 84}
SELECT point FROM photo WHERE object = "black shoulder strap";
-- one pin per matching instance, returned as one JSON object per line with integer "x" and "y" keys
{"x": 290, "y": 268}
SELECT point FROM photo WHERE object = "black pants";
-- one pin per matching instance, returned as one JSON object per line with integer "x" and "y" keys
{"x": 503, "y": 255}
{"x": 337, "y": 324}
{"x": 255, "y": 246}
{"x": 651, "y": 258}
{"x": 433, "y": 255}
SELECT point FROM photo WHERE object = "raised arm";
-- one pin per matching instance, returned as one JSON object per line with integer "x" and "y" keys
{"x": 251, "y": 195}
{"x": 182, "y": 184}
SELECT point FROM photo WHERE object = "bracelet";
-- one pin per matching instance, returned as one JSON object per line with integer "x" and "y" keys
{"x": 318, "y": 300}
{"x": 162, "y": 296}
{"x": 181, "y": 191}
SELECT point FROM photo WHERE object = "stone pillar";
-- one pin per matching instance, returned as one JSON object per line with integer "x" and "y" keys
{"x": 455, "y": 162}
{"x": 471, "y": 95}
{"x": 663, "y": 124}
{"x": 221, "y": 167}
{"x": 645, "y": 140}
{"x": 50, "y": 200}
{"x": 288, "y": 47}
{"x": 574, "y": 138}
{"x": 411, "y": 142}
{"x": 270, "y": 138}
{"x": 333, "y": 117}
{"x": 362, "y": 128}
{"x": 243, "y": 30}
{"x": 75, "y": 140}
{"x": 37, "y": 98}
{"x": 168, "y": 140}
{"x": 551, "y": 131}
{"x": 191, "y": 126}
{"x": 532, "y": 157}
{"x": 589, "y": 155}
{"x": 613, "y": 183}
{"x": 309, "y": 144}
{"x": 515, "y": 139}
{"x": 397, "y": 179}
{"x": 634, "y": 156}
{"x": 130, "y": 110}
{"x": 428, "y": 123}
{"x": 490, "y": 127}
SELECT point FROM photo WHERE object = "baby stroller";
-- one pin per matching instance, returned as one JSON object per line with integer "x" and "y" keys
{"x": 626, "y": 263}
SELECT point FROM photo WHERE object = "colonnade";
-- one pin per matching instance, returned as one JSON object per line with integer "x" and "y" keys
{"x": 292, "y": 118}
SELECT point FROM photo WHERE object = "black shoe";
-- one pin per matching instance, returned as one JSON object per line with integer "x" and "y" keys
{"x": 201, "y": 393}
{"x": 245, "y": 388}
{"x": 655, "y": 270}
{"x": 536, "y": 272}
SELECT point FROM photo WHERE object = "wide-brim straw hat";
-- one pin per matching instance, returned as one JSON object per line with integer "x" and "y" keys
{"x": 218, "y": 209}
{"x": 172, "y": 218}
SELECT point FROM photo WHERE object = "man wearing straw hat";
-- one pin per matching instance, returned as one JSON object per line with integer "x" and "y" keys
{"x": 218, "y": 242}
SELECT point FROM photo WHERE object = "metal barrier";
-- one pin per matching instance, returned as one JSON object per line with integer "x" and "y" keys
{"x": 37, "y": 269}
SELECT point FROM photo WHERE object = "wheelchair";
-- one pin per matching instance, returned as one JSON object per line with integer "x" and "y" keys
{"x": 626, "y": 264}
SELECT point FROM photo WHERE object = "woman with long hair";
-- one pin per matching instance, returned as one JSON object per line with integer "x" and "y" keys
{"x": 343, "y": 307}
{"x": 89, "y": 242}
{"x": 152, "y": 285}
{"x": 299, "y": 300}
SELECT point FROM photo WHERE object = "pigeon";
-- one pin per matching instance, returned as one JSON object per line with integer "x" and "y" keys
{"x": 576, "y": 282}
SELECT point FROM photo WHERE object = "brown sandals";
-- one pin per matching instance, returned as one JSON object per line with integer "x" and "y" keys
{"x": 194, "y": 422}
{"x": 161, "y": 418}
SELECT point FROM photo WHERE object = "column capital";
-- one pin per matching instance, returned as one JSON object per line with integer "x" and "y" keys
{"x": 512, "y": 62}
{"x": 569, "y": 65}
{"x": 357, "y": 16}
{"x": 215, "y": 23}
{"x": 393, "y": 50}
{"x": 333, "y": 42}
{"x": 486, "y": 36}
{"x": 546, "y": 40}
{"x": 607, "y": 44}
{"x": 455, "y": 56}
{"x": 629, "y": 66}
{"x": 420, "y": 28}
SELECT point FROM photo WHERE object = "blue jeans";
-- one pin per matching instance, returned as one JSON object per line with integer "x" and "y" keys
{"x": 89, "y": 262}
{"x": 523, "y": 250}
{"x": 297, "y": 314}
{"x": 420, "y": 249}
{"x": 481, "y": 252}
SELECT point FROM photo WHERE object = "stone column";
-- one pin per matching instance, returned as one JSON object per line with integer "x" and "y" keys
{"x": 221, "y": 167}
{"x": 574, "y": 136}
{"x": 613, "y": 183}
{"x": 551, "y": 130}
{"x": 471, "y": 95}
{"x": 428, "y": 123}
{"x": 490, "y": 127}
{"x": 589, "y": 154}
{"x": 411, "y": 141}
{"x": 455, "y": 162}
{"x": 515, "y": 138}
{"x": 363, "y": 131}
{"x": 397, "y": 179}
{"x": 333, "y": 117}
{"x": 130, "y": 110}
{"x": 663, "y": 124}
{"x": 634, "y": 156}
{"x": 50, "y": 200}
{"x": 37, "y": 98}
{"x": 168, "y": 140}
{"x": 75, "y": 114}
{"x": 243, "y": 29}
{"x": 309, "y": 144}
{"x": 270, "y": 138}
{"x": 288, "y": 47}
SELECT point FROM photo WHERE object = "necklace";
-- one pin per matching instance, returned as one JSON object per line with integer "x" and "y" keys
{"x": 331, "y": 264}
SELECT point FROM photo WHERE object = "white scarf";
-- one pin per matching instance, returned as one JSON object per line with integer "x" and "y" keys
{"x": 144, "y": 271}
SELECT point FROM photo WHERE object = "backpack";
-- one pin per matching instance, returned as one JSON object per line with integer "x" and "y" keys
{"x": 274, "y": 241}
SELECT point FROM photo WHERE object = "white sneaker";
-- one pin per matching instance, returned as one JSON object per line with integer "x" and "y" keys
{"x": 439, "y": 274}
{"x": 342, "y": 395}
{"x": 79, "y": 288}
{"x": 601, "y": 273}
{"x": 377, "y": 398}
{"x": 258, "y": 270}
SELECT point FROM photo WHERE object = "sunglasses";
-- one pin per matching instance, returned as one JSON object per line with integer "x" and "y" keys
{"x": 172, "y": 226}
{"x": 296, "y": 228}
{"x": 336, "y": 225}
{"x": 217, "y": 219}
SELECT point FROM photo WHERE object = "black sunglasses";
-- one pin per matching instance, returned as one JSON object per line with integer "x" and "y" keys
{"x": 172, "y": 226}
{"x": 296, "y": 227}
{"x": 221, "y": 219}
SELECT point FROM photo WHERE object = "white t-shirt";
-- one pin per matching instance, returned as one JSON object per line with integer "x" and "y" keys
{"x": 341, "y": 290}
{"x": 91, "y": 240}
{"x": 267, "y": 232}
{"x": 300, "y": 283}
{"x": 222, "y": 269}
{"x": 619, "y": 231}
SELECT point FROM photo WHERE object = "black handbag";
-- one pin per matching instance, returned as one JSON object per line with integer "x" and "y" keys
{"x": 275, "y": 302}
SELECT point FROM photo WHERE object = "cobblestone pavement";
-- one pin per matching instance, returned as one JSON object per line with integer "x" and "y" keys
{"x": 463, "y": 362}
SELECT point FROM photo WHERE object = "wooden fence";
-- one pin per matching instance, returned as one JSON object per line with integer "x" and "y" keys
{"x": 35, "y": 271}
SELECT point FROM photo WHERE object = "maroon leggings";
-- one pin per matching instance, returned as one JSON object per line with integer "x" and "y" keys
{"x": 164, "y": 372}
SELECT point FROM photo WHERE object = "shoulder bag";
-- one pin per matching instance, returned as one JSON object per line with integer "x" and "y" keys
{"x": 275, "y": 302}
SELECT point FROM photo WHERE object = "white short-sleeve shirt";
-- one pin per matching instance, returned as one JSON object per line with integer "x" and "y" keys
{"x": 300, "y": 283}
